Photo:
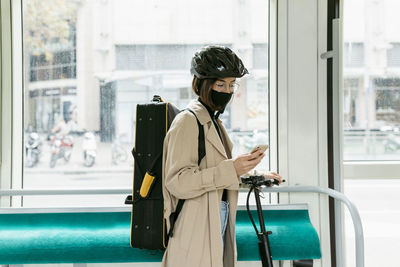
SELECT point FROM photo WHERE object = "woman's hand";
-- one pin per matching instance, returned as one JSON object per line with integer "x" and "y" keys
{"x": 247, "y": 162}
{"x": 273, "y": 175}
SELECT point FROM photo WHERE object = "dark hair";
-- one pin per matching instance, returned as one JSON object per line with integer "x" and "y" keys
{"x": 202, "y": 88}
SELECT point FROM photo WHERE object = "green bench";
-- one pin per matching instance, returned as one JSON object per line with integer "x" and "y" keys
{"x": 103, "y": 237}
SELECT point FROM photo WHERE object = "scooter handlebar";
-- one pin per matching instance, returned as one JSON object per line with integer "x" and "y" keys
{"x": 259, "y": 180}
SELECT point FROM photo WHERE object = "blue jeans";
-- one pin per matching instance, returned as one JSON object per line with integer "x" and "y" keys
{"x": 224, "y": 218}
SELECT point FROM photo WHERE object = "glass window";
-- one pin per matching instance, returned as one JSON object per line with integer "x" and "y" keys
{"x": 371, "y": 108}
{"x": 141, "y": 57}
{"x": 89, "y": 63}
{"x": 371, "y": 88}
{"x": 353, "y": 55}
{"x": 393, "y": 55}
{"x": 260, "y": 56}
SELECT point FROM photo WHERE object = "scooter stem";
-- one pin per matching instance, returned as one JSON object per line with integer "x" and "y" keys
{"x": 263, "y": 241}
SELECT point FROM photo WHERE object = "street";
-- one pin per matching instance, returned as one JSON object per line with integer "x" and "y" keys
{"x": 74, "y": 175}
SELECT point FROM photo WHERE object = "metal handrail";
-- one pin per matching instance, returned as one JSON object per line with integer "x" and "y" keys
{"x": 48, "y": 192}
{"x": 358, "y": 229}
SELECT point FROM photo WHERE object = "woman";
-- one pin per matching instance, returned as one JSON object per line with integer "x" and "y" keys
{"x": 204, "y": 233}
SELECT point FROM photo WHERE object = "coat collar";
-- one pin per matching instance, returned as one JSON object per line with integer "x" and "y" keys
{"x": 212, "y": 136}
{"x": 200, "y": 110}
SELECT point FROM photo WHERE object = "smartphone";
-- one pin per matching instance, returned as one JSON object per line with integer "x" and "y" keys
{"x": 262, "y": 147}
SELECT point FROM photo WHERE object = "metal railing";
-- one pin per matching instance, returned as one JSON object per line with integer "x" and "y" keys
{"x": 358, "y": 229}
{"x": 49, "y": 192}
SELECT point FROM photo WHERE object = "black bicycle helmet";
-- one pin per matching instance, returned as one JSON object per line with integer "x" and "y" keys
{"x": 217, "y": 62}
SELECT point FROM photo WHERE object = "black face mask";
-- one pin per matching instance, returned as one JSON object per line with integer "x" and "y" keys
{"x": 220, "y": 99}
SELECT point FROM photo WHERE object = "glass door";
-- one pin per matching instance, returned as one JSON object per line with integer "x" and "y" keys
{"x": 371, "y": 126}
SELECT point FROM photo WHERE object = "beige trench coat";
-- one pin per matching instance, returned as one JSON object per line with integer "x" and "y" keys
{"x": 197, "y": 239}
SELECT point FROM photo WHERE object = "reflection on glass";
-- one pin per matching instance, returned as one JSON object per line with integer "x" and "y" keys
{"x": 89, "y": 63}
{"x": 371, "y": 70}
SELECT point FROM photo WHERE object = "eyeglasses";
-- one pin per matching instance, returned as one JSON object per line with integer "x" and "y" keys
{"x": 222, "y": 86}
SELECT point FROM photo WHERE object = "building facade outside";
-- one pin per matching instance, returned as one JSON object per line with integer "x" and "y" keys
{"x": 153, "y": 57}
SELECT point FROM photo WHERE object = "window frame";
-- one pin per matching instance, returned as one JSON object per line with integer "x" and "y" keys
{"x": 12, "y": 99}
{"x": 370, "y": 170}
{"x": 10, "y": 163}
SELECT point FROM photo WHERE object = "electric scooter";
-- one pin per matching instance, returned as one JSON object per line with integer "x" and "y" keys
{"x": 255, "y": 182}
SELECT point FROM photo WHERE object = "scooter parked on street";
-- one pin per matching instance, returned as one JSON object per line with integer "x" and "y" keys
{"x": 33, "y": 149}
{"x": 89, "y": 149}
{"x": 61, "y": 147}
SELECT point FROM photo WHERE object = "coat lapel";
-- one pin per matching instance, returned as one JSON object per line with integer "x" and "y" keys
{"x": 213, "y": 138}
{"x": 200, "y": 111}
{"x": 224, "y": 133}
{"x": 210, "y": 131}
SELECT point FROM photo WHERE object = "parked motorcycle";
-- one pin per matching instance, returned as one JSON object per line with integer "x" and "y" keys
{"x": 61, "y": 147}
{"x": 89, "y": 149}
{"x": 33, "y": 149}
